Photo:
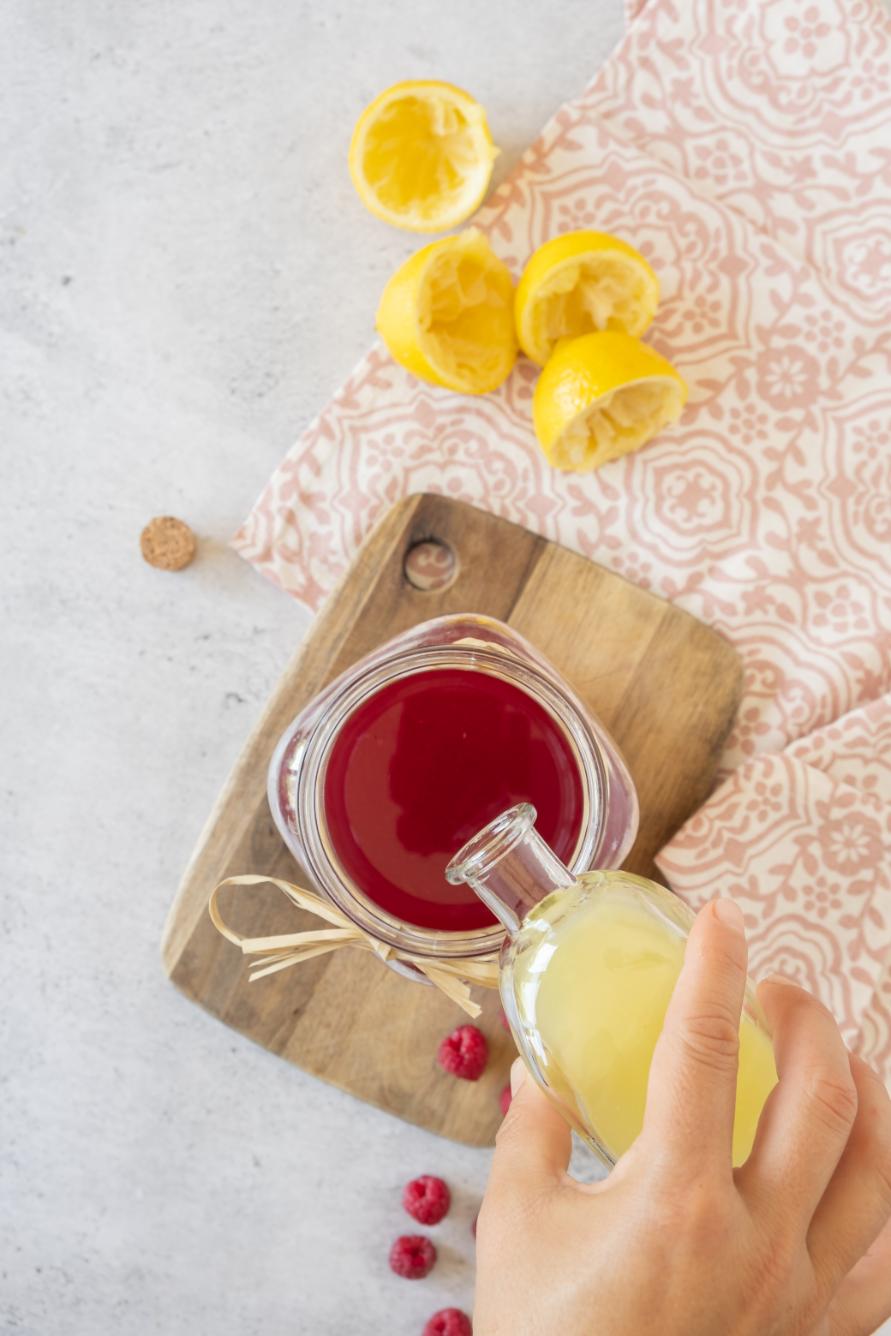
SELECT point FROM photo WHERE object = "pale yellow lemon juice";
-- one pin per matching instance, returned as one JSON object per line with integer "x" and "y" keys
{"x": 586, "y": 974}
{"x": 596, "y": 989}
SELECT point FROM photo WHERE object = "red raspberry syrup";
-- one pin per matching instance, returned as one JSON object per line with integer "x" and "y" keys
{"x": 421, "y": 765}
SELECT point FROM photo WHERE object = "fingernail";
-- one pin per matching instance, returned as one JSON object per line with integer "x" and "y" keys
{"x": 517, "y": 1075}
{"x": 780, "y": 978}
{"x": 729, "y": 913}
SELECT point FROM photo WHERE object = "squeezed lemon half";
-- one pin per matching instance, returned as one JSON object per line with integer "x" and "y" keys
{"x": 580, "y": 283}
{"x": 421, "y": 155}
{"x": 601, "y": 396}
{"x": 446, "y": 315}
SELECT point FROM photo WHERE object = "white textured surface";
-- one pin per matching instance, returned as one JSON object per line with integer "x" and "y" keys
{"x": 185, "y": 275}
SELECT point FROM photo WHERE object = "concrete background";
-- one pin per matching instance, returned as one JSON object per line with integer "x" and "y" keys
{"x": 185, "y": 276}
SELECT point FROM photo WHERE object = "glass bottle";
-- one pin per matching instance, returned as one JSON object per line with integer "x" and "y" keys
{"x": 587, "y": 968}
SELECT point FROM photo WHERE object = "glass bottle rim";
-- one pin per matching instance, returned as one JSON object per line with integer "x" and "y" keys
{"x": 484, "y": 849}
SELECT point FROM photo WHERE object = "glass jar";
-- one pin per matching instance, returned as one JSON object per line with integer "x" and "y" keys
{"x": 587, "y": 968}
{"x": 327, "y": 758}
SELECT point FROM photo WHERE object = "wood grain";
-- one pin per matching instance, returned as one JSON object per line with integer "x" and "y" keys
{"x": 666, "y": 686}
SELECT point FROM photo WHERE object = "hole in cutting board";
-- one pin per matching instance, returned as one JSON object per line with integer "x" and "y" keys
{"x": 430, "y": 565}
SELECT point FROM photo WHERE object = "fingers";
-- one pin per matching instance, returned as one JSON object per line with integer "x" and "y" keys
{"x": 857, "y": 1204}
{"x": 863, "y": 1302}
{"x": 533, "y": 1144}
{"x": 691, "y": 1093}
{"x": 808, "y": 1117}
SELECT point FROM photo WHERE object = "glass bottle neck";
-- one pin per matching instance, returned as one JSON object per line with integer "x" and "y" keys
{"x": 509, "y": 866}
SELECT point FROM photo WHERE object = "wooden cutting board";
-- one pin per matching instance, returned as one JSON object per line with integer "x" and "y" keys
{"x": 665, "y": 685}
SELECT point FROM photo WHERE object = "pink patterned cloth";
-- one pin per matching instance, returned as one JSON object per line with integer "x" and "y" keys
{"x": 802, "y": 841}
{"x": 741, "y": 148}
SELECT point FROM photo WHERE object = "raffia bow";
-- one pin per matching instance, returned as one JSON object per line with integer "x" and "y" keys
{"x": 452, "y": 977}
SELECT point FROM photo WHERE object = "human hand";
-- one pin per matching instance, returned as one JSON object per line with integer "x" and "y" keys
{"x": 675, "y": 1241}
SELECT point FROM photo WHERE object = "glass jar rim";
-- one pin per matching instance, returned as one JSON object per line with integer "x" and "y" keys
{"x": 529, "y": 675}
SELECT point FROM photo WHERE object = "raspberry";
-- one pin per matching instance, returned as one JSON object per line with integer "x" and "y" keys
{"x": 448, "y": 1322}
{"x": 412, "y": 1256}
{"x": 505, "y": 1023}
{"x": 504, "y": 1100}
{"x": 464, "y": 1053}
{"x": 427, "y": 1199}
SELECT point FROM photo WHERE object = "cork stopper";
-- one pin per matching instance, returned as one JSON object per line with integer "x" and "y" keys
{"x": 167, "y": 543}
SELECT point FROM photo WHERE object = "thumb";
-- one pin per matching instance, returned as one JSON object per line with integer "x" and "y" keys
{"x": 534, "y": 1142}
